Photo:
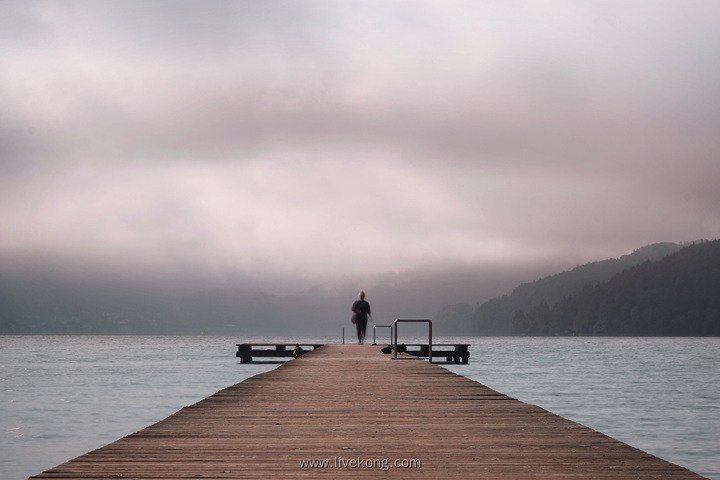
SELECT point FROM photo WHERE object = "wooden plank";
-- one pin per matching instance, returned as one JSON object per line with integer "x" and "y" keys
{"x": 344, "y": 403}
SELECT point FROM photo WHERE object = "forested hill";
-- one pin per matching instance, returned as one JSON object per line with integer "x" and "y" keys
{"x": 677, "y": 295}
{"x": 495, "y": 317}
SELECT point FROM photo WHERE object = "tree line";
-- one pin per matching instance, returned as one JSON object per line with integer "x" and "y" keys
{"x": 677, "y": 295}
{"x": 496, "y": 316}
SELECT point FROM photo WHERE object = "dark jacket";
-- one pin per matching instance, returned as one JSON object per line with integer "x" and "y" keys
{"x": 364, "y": 310}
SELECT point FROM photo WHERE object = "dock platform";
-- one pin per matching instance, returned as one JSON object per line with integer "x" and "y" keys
{"x": 450, "y": 353}
{"x": 248, "y": 352}
{"x": 348, "y": 411}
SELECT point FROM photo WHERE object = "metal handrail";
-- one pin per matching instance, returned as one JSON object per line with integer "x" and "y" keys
{"x": 395, "y": 344}
{"x": 383, "y": 326}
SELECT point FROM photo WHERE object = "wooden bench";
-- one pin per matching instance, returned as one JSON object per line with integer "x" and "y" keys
{"x": 247, "y": 351}
{"x": 456, "y": 353}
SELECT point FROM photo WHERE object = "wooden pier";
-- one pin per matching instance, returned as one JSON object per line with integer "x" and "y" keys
{"x": 348, "y": 411}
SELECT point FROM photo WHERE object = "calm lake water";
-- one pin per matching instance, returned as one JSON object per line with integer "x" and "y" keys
{"x": 63, "y": 396}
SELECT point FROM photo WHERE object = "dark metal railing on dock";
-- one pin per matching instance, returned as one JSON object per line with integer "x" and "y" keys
{"x": 455, "y": 353}
{"x": 382, "y": 326}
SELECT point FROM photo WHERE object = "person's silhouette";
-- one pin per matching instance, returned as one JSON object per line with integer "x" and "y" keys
{"x": 361, "y": 311}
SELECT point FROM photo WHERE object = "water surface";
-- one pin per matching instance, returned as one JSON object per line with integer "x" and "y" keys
{"x": 63, "y": 396}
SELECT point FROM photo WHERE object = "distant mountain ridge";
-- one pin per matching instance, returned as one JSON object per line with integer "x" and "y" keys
{"x": 495, "y": 316}
{"x": 674, "y": 296}
{"x": 599, "y": 298}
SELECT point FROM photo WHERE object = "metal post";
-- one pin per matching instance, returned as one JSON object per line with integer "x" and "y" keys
{"x": 383, "y": 326}
{"x": 343, "y": 335}
{"x": 395, "y": 343}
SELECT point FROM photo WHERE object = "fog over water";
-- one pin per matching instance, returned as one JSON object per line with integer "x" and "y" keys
{"x": 456, "y": 147}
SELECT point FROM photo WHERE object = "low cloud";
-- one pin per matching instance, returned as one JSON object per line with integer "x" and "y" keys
{"x": 317, "y": 139}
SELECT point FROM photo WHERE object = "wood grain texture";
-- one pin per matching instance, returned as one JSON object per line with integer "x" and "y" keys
{"x": 342, "y": 403}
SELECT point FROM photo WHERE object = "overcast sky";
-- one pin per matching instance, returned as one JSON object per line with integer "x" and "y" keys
{"x": 319, "y": 138}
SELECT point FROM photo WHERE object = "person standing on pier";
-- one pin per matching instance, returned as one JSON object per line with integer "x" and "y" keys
{"x": 361, "y": 311}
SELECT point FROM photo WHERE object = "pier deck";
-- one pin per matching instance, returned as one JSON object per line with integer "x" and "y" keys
{"x": 341, "y": 403}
